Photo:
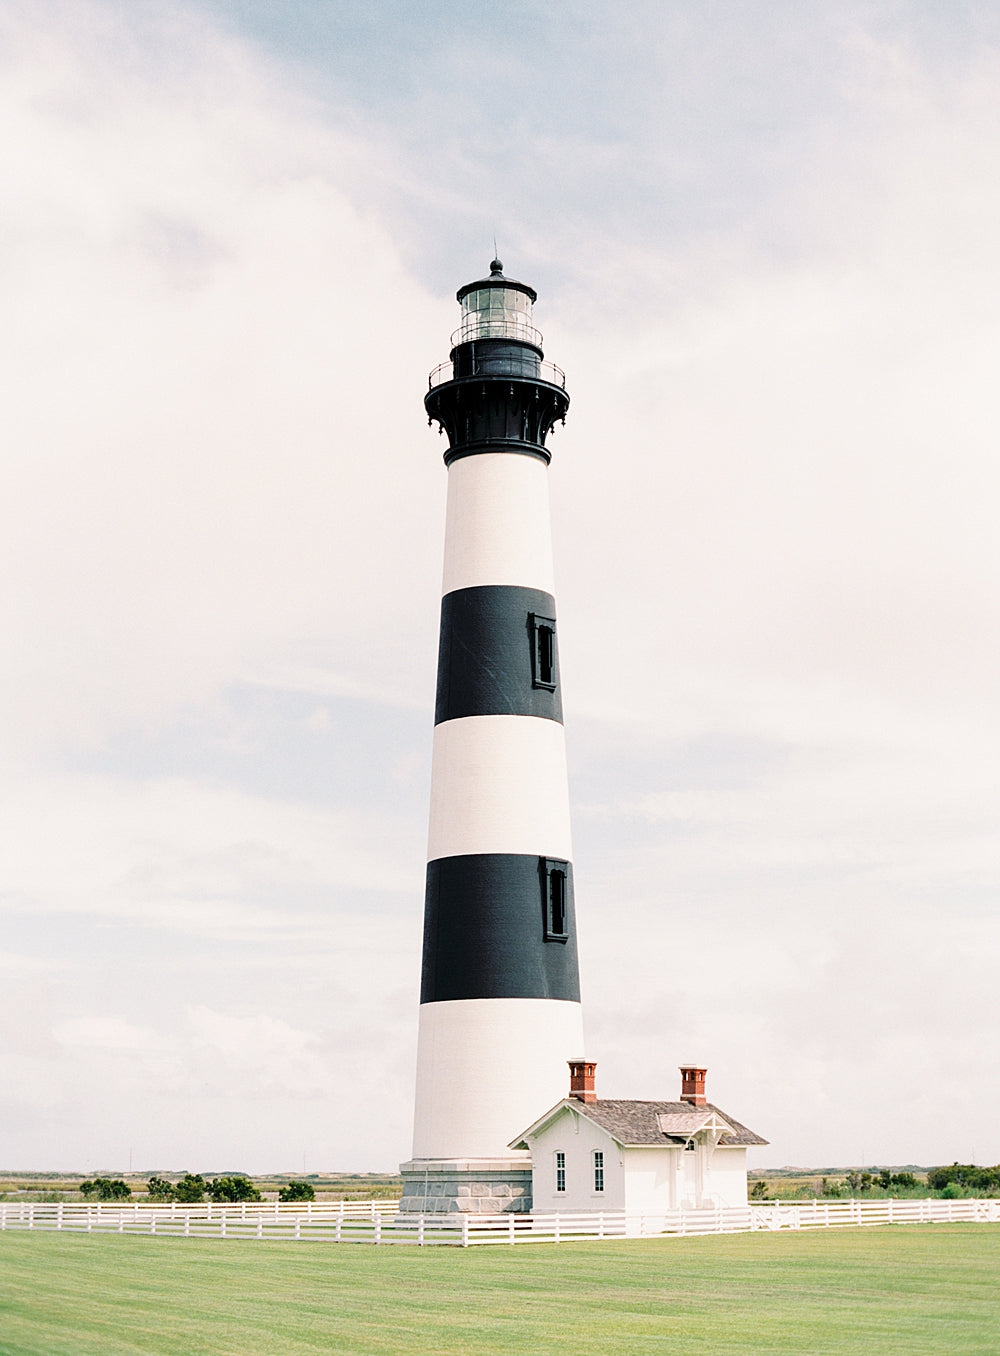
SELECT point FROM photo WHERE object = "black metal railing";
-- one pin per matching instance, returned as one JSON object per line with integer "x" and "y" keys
{"x": 509, "y": 365}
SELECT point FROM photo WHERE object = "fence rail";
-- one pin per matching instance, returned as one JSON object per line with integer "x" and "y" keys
{"x": 378, "y": 1221}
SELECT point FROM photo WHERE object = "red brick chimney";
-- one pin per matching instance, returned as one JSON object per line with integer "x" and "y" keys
{"x": 581, "y": 1080}
{"x": 693, "y": 1084}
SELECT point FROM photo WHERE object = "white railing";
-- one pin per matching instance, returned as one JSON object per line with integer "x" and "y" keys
{"x": 378, "y": 1221}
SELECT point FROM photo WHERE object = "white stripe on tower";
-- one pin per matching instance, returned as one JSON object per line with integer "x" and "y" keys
{"x": 497, "y": 529}
{"x": 500, "y": 1013}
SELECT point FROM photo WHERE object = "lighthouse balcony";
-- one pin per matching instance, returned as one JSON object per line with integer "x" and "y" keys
{"x": 489, "y": 359}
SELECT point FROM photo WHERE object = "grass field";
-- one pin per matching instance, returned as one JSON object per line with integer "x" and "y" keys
{"x": 904, "y": 1290}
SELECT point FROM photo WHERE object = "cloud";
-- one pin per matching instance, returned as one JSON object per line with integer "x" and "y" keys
{"x": 216, "y": 363}
{"x": 775, "y": 545}
{"x": 106, "y": 1033}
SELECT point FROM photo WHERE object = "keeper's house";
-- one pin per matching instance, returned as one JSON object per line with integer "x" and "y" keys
{"x": 641, "y": 1157}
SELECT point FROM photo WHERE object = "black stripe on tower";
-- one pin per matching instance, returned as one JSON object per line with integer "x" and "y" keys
{"x": 497, "y": 654}
{"x": 499, "y": 925}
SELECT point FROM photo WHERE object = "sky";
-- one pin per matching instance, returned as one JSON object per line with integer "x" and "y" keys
{"x": 763, "y": 238}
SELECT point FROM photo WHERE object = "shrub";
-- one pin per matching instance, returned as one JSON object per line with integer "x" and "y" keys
{"x": 859, "y": 1182}
{"x": 235, "y": 1188}
{"x": 105, "y": 1189}
{"x": 303, "y": 1191}
{"x": 159, "y": 1189}
{"x": 190, "y": 1189}
{"x": 973, "y": 1180}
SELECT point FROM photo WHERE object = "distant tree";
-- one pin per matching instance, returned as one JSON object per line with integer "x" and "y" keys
{"x": 190, "y": 1189}
{"x": 297, "y": 1191}
{"x": 105, "y": 1189}
{"x": 758, "y": 1192}
{"x": 972, "y": 1180}
{"x": 831, "y": 1187}
{"x": 235, "y": 1188}
{"x": 859, "y": 1182}
{"x": 159, "y": 1189}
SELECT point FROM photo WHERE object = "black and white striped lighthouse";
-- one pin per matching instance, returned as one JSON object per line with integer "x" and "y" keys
{"x": 500, "y": 995}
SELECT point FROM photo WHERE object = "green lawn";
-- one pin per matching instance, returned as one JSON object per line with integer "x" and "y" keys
{"x": 900, "y": 1290}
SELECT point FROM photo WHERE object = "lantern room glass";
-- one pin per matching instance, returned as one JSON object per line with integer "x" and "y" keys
{"x": 497, "y": 313}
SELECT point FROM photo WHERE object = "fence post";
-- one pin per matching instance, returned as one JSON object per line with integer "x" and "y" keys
{"x": 510, "y": 1229}
{"x": 222, "y": 1223}
{"x": 260, "y": 1226}
{"x": 555, "y": 1230}
{"x": 337, "y": 1228}
{"x": 59, "y": 1215}
{"x": 377, "y": 1227}
{"x": 465, "y": 1230}
{"x": 187, "y": 1225}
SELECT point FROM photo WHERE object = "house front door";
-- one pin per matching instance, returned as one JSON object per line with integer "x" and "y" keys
{"x": 690, "y": 1194}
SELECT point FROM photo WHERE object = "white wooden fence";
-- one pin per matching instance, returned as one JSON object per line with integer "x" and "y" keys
{"x": 378, "y": 1222}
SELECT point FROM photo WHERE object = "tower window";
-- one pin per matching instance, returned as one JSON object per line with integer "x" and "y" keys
{"x": 560, "y": 1170}
{"x": 598, "y": 1170}
{"x": 554, "y": 876}
{"x": 543, "y": 651}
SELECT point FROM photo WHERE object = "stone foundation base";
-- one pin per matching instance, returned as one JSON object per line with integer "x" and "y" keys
{"x": 475, "y": 1186}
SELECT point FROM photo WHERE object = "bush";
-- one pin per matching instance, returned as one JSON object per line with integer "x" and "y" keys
{"x": 303, "y": 1191}
{"x": 105, "y": 1189}
{"x": 190, "y": 1189}
{"x": 159, "y": 1189}
{"x": 859, "y": 1182}
{"x": 972, "y": 1180}
{"x": 235, "y": 1188}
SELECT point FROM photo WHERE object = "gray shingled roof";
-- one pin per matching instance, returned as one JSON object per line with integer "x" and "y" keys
{"x": 636, "y": 1122}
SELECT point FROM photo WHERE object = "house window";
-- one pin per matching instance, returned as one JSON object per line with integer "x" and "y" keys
{"x": 543, "y": 651}
{"x": 560, "y": 1170}
{"x": 598, "y": 1170}
{"x": 555, "y": 878}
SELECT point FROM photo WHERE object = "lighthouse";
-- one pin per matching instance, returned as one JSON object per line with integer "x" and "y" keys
{"x": 500, "y": 1008}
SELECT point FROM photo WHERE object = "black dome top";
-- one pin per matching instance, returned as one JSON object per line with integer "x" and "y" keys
{"x": 496, "y": 279}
